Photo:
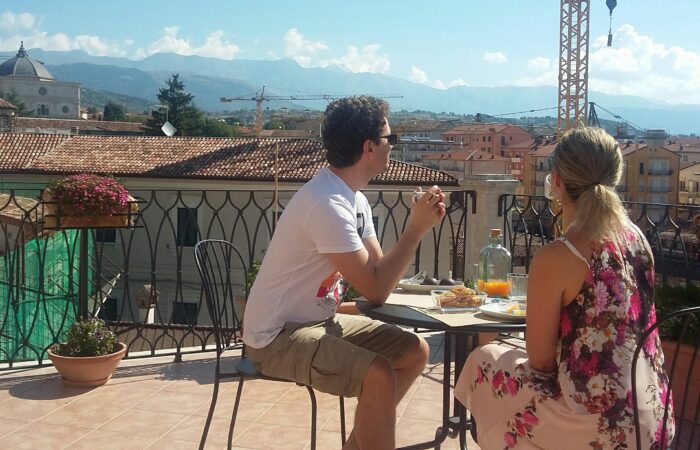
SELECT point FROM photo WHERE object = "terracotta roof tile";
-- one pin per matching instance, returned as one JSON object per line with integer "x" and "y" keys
{"x": 18, "y": 150}
{"x": 33, "y": 123}
{"x": 243, "y": 159}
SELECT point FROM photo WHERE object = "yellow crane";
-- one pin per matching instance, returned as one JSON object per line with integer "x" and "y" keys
{"x": 260, "y": 98}
{"x": 573, "y": 62}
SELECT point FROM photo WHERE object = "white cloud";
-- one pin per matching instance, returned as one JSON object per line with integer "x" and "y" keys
{"x": 22, "y": 27}
{"x": 494, "y": 57}
{"x": 299, "y": 48}
{"x": 15, "y": 23}
{"x": 539, "y": 63}
{"x": 420, "y": 76}
{"x": 366, "y": 60}
{"x": 214, "y": 46}
{"x": 638, "y": 65}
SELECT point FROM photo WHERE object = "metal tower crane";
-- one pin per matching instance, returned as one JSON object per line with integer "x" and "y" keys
{"x": 573, "y": 62}
{"x": 260, "y": 98}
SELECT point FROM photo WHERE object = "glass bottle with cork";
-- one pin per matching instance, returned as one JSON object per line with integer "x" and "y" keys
{"x": 494, "y": 264}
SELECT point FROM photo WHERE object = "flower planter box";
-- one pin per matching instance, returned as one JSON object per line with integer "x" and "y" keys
{"x": 61, "y": 215}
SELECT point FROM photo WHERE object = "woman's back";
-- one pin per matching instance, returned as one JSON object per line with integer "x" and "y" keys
{"x": 600, "y": 331}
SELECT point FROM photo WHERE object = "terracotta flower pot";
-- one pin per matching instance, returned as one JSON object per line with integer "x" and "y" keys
{"x": 63, "y": 215}
{"x": 88, "y": 371}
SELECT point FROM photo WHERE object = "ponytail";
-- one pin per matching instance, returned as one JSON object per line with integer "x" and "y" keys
{"x": 599, "y": 213}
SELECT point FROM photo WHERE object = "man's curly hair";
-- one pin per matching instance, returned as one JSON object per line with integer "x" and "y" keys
{"x": 348, "y": 123}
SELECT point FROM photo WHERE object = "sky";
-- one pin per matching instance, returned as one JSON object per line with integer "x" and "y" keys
{"x": 440, "y": 43}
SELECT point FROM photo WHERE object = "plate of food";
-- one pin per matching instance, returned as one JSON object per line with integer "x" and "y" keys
{"x": 509, "y": 311}
{"x": 427, "y": 284}
{"x": 458, "y": 299}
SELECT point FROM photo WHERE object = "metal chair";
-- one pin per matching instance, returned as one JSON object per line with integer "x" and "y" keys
{"x": 217, "y": 260}
{"x": 682, "y": 320}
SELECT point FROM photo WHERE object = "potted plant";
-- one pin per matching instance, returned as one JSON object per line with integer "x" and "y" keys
{"x": 87, "y": 201}
{"x": 89, "y": 355}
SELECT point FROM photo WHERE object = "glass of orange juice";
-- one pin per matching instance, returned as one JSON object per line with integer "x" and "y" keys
{"x": 495, "y": 288}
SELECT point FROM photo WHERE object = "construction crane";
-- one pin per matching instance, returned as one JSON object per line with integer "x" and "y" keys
{"x": 573, "y": 62}
{"x": 260, "y": 98}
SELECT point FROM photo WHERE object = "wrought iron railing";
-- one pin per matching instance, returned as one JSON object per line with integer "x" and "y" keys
{"x": 144, "y": 282}
{"x": 673, "y": 232}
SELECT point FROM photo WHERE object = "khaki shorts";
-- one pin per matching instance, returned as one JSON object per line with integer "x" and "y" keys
{"x": 333, "y": 356}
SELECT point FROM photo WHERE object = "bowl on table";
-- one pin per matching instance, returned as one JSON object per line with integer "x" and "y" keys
{"x": 458, "y": 299}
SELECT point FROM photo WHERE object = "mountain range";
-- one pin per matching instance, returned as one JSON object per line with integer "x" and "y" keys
{"x": 209, "y": 79}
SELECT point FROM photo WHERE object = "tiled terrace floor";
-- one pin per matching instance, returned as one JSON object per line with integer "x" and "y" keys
{"x": 158, "y": 404}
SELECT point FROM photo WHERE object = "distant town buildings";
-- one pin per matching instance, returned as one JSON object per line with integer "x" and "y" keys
{"x": 37, "y": 89}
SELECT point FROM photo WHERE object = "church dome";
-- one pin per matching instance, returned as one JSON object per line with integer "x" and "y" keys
{"x": 24, "y": 66}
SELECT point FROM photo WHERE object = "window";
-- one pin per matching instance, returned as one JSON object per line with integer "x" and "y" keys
{"x": 503, "y": 140}
{"x": 43, "y": 110}
{"x": 483, "y": 138}
{"x": 187, "y": 232}
{"x": 42, "y": 91}
{"x": 641, "y": 168}
{"x": 184, "y": 313}
{"x": 375, "y": 221}
{"x": 108, "y": 310}
{"x": 106, "y": 235}
{"x": 489, "y": 138}
{"x": 65, "y": 110}
{"x": 683, "y": 185}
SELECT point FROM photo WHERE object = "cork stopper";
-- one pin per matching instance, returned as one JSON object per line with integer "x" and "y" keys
{"x": 495, "y": 232}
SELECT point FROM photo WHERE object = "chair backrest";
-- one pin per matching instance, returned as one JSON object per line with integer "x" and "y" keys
{"x": 221, "y": 266}
{"x": 680, "y": 363}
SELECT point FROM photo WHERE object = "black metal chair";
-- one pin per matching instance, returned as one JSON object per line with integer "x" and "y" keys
{"x": 684, "y": 438}
{"x": 216, "y": 262}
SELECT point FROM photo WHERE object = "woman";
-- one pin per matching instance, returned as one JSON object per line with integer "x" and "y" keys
{"x": 590, "y": 298}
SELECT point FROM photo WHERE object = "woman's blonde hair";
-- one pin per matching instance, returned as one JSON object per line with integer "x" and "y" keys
{"x": 589, "y": 162}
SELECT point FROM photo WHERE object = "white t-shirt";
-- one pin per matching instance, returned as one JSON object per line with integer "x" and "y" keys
{"x": 297, "y": 282}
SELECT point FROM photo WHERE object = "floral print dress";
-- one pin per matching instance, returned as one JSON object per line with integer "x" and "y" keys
{"x": 587, "y": 403}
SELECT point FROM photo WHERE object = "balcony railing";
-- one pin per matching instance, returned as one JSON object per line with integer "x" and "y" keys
{"x": 662, "y": 172}
{"x": 154, "y": 264}
{"x": 658, "y": 189}
{"x": 530, "y": 222}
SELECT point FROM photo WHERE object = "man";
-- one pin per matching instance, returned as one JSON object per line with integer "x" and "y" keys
{"x": 326, "y": 235}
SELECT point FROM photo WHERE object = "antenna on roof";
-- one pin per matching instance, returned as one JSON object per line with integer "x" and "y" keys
{"x": 168, "y": 129}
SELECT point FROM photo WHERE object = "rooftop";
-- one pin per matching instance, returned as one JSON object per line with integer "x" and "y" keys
{"x": 24, "y": 66}
{"x": 241, "y": 159}
{"x": 153, "y": 403}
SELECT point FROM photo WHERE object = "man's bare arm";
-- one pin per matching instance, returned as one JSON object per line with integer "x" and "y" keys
{"x": 375, "y": 275}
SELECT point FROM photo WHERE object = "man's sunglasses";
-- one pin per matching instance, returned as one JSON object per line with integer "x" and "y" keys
{"x": 391, "y": 138}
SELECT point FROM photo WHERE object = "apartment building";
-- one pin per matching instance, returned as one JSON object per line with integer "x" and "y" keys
{"x": 459, "y": 163}
{"x": 689, "y": 185}
{"x": 536, "y": 168}
{"x": 489, "y": 138}
{"x": 650, "y": 174}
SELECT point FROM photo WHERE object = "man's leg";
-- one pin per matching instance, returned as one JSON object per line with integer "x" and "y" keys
{"x": 375, "y": 415}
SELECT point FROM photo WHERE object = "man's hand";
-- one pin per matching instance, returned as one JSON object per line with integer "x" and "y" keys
{"x": 428, "y": 208}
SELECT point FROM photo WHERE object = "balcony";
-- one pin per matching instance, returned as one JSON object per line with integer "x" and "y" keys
{"x": 659, "y": 171}
{"x": 658, "y": 189}
{"x": 153, "y": 402}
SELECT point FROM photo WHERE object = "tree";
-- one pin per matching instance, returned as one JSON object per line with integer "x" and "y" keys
{"x": 216, "y": 128}
{"x": 114, "y": 112}
{"x": 13, "y": 98}
{"x": 177, "y": 109}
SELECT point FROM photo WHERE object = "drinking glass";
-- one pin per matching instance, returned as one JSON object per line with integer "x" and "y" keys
{"x": 517, "y": 287}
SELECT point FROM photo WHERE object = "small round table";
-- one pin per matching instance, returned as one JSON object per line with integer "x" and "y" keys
{"x": 465, "y": 338}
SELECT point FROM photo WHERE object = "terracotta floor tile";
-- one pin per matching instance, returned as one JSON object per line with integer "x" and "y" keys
{"x": 42, "y": 436}
{"x": 86, "y": 412}
{"x": 112, "y": 440}
{"x": 326, "y": 440}
{"x": 296, "y": 416}
{"x": 248, "y": 410}
{"x": 8, "y": 425}
{"x": 20, "y": 408}
{"x": 413, "y": 431}
{"x": 140, "y": 422}
{"x": 173, "y": 444}
{"x": 180, "y": 404}
{"x": 427, "y": 410}
{"x": 264, "y": 436}
{"x": 300, "y": 396}
{"x": 191, "y": 430}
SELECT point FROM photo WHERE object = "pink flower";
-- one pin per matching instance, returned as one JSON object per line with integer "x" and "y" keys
{"x": 512, "y": 386}
{"x": 530, "y": 418}
{"x": 601, "y": 297}
{"x": 498, "y": 379}
{"x": 510, "y": 440}
{"x": 635, "y": 306}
